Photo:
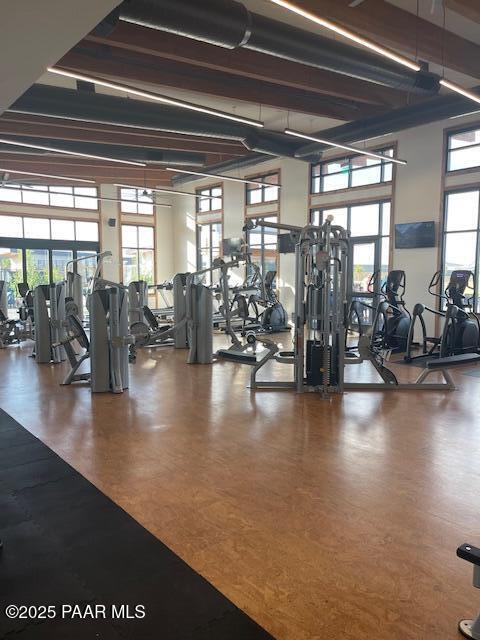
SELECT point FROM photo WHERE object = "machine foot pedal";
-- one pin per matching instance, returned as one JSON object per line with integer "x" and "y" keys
{"x": 465, "y": 628}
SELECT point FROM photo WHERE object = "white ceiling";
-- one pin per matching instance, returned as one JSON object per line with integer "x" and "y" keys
{"x": 34, "y": 34}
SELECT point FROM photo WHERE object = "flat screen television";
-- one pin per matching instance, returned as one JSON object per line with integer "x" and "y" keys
{"x": 287, "y": 242}
{"x": 233, "y": 246}
{"x": 414, "y": 235}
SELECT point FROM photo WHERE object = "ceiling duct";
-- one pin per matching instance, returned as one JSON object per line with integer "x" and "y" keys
{"x": 400, "y": 119}
{"x": 139, "y": 154}
{"x": 57, "y": 102}
{"x": 229, "y": 24}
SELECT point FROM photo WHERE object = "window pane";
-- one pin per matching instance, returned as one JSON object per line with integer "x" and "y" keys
{"x": 336, "y": 166}
{"x": 217, "y": 192}
{"x": 464, "y": 158}
{"x": 36, "y": 228}
{"x": 270, "y": 194}
{"x": 85, "y": 191}
{"x": 128, "y": 194}
{"x": 11, "y": 271}
{"x": 146, "y": 265}
{"x": 86, "y": 231}
{"x": 129, "y": 236}
{"x": 85, "y": 203}
{"x": 387, "y": 172}
{"x": 316, "y": 184}
{"x": 63, "y": 230}
{"x": 60, "y": 258}
{"x": 254, "y": 196}
{"x": 364, "y": 220}
{"x": 10, "y": 195}
{"x": 145, "y": 237}
{"x": 37, "y": 267}
{"x": 462, "y": 211}
{"x": 11, "y": 227}
{"x": 464, "y": 138}
{"x": 204, "y": 236}
{"x": 386, "y": 207}
{"x": 145, "y": 208}
{"x": 340, "y": 216}
{"x": 216, "y": 235}
{"x": 385, "y": 259}
{"x": 460, "y": 251}
{"x": 130, "y": 265}
{"x": 129, "y": 207}
{"x": 368, "y": 175}
{"x": 61, "y": 200}
{"x": 335, "y": 181}
{"x": 38, "y": 195}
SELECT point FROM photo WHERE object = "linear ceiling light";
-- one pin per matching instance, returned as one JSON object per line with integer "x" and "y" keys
{"x": 47, "y": 175}
{"x": 69, "y": 153}
{"x": 379, "y": 156}
{"x": 346, "y": 33}
{"x": 171, "y": 191}
{"x": 216, "y": 175}
{"x": 76, "y": 195}
{"x": 157, "y": 97}
{"x": 464, "y": 92}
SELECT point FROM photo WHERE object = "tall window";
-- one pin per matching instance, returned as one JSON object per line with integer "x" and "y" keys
{"x": 463, "y": 150}
{"x": 461, "y": 233}
{"x": 263, "y": 244}
{"x": 212, "y": 199}
{"x": 368, "y": 224}
{"x": 209, "y": 240}
{"x": 36, "y": 251}
{"x": 350, "y": 172}
{"x": 258, "y": 194}
{"x": 138, "y": 253}
{"x": 137, "y": 201}
{"x": 51, "y": 196}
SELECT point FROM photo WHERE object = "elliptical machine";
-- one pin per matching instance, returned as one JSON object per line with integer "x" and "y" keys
{"x": 461, "y": 327}
{"x": 392, "y": 320}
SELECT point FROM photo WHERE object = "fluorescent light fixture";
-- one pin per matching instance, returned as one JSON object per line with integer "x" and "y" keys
{"x": 346, "y": 33}
{"x": 379, "y": 156}
{"x": 171, "y": 191}
{"x": 47, "y": 175}
{"x": 156, "y": 96}
{"x": 69, "y": 153}
{"x": 216, "y": 175}
{"x": 76, "y": 195}
{"x": 464, "y": 92}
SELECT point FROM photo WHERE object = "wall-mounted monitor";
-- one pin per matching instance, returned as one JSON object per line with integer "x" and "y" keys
{"x": 233, "y": 246}
{"x": 415, "y": 235}
{"x": 287, "y": 242}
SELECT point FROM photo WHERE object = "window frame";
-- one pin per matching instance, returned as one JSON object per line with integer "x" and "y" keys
{"x": 449, "y": 133}
{"x": 54, "y": 206}
{"x": 350, "y": 158}
{"x": 269, "y": 214}
{"x": 255, "y": 187}
{"x": 138, "y": 248}
{"x": 136, "y": 202}
{"x": 209, "y": 188}
{"x": 444, "y": 233}
{"x": 24, "y": 217}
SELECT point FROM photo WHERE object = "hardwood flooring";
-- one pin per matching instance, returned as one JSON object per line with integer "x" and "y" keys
{"x": 322, "y": 519}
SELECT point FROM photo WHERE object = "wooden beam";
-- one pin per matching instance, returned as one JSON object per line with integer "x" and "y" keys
{"x": 132, "y": 68}
{"x": 402, "y": 31}
{"x": 469, "y": 9}
{"x": 250, "y": 64}
{"x": 68, "y": 130}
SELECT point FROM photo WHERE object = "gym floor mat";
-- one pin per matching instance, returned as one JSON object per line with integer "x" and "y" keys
{"x": 66, "y": 543}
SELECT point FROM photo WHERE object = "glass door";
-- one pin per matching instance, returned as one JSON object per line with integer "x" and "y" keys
{"x": 364, "y": 264}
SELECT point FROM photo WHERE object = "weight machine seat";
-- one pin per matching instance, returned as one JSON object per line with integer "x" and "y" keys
{"x": 150, "y": 318}
{"x": 469, "y": 553}
{"x": 452, "y": 361}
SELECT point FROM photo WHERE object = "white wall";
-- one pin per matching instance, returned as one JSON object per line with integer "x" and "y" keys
{"x": 416, "y": 193}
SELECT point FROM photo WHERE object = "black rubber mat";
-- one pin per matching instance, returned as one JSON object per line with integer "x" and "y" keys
{"x": 66, "y": 543}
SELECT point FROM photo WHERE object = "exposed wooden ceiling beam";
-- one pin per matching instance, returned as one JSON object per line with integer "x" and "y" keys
{"x": 40, "y": 126}
{"x": 469, "y": 9}
{"x": 133, "y": 67}
{"x": 402, "y": 31}
{"x": 246, "y": 63}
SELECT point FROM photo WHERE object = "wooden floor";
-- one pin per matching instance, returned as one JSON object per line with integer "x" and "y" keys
{"x": 321, "y": 519}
